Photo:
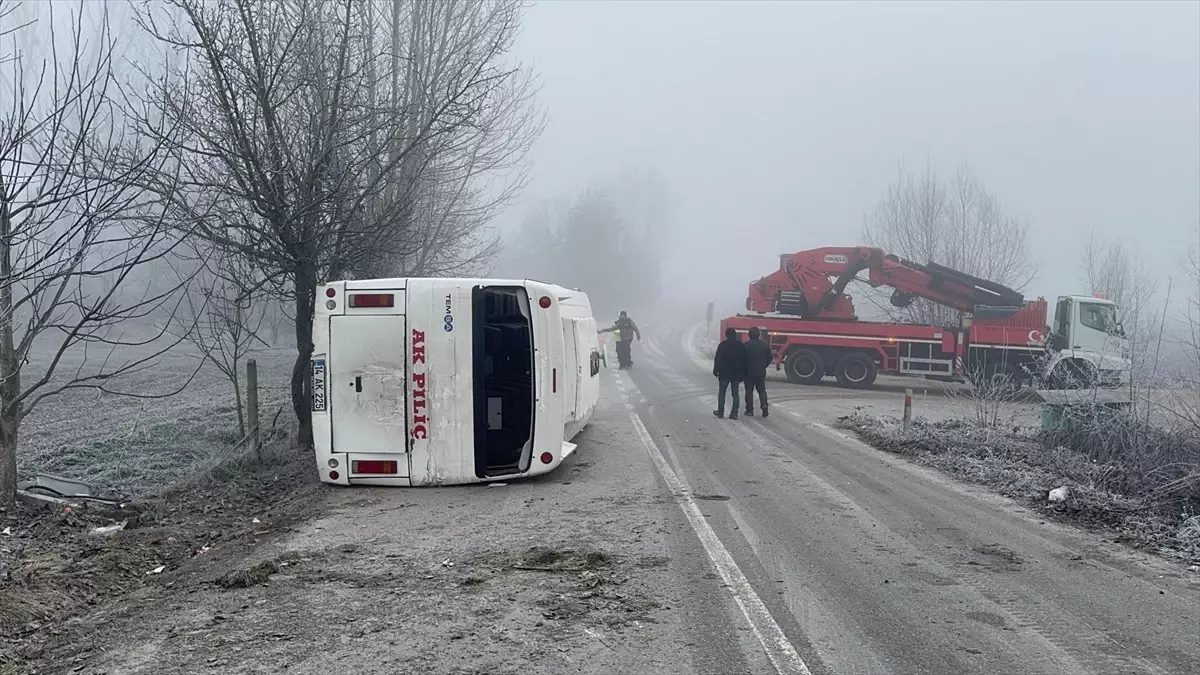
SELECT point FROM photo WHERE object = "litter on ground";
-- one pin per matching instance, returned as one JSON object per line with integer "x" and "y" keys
{"x": 109, "y": 529}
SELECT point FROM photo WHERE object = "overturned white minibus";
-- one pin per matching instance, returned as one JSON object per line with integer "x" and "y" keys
{"x": 442, "y": 381}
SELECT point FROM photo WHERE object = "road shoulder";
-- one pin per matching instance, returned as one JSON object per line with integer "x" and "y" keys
{"x": 577, "y": 571}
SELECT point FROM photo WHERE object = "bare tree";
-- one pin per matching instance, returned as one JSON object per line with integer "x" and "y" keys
{"x": 456, "y": 182}
{"x": 529, "y": 250}
{"x": 314, "y": 154}
{"x": 957, "y": 224}
{"x": 1188, "y": 370}
{"x": 74, "y": 227}
{"x": 1116, "y": 273}
{"x": 589, "y": 245}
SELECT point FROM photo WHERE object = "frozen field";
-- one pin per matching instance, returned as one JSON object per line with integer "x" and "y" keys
{"x": 135, "y": 444}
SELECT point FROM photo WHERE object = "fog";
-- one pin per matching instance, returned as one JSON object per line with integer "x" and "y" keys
{"x": 641, "y": 151}
{"x": 778, "y": 126}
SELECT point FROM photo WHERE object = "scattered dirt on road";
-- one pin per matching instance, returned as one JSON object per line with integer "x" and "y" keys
{"x": 258, "y": 573}
{"x": 573, "y": 585}
{"x": 55, "y": 568}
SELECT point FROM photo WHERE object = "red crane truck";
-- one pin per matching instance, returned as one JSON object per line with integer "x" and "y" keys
{"x": 813, "y": 330}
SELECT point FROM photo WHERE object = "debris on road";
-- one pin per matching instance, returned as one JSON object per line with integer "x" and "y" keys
{"x": 251, "y": 576}
{"x": 157, "y": 570}
{"x": 56, "y": 486}
{"x": 256, "y": 574}
{"x": 106, "y": 530}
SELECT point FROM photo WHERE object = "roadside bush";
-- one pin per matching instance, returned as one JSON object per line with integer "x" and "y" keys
{"x": 1158, "y": 464}
{"x": 1143, "y": 482}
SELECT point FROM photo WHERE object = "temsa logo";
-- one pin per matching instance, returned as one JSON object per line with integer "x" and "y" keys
{"x": 420, "y": 421}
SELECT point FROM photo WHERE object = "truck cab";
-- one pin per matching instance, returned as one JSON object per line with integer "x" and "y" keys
{"x": 1087, "y": 344}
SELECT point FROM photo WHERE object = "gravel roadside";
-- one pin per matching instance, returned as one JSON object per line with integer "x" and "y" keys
{"x": 573, "y": 572}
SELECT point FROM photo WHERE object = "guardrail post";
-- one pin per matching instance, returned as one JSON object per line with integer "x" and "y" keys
{"x": 252, "y": 407}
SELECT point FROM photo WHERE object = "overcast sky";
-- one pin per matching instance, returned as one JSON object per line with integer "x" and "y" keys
{"x": 779, "y": 124}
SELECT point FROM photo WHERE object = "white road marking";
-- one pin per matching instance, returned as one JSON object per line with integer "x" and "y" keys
{"x": 779, "y": 649}
{"x": 692, "y": 350}
{"x": 653, "y": 350}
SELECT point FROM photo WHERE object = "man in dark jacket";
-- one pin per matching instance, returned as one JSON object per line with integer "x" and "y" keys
{"x": 758, "y": 357}
{"x": 729, "y": 367}
{"x": 625, "y": 328}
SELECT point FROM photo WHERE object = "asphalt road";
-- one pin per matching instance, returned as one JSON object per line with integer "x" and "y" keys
{"x": 862, "y": 563}
{"x": 670, "y": 542}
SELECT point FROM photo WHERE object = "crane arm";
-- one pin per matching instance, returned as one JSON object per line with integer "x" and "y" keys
{"x": 812, "y": 284}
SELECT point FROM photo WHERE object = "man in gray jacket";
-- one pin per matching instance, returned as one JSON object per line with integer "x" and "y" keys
{"x": 758, "y": 357}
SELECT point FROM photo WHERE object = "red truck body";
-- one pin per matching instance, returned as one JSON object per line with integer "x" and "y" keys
{"x": 811, "y": 326}
{"x": 856, "y": 351}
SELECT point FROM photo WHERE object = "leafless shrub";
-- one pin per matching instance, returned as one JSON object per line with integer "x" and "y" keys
{"x": 1160, "y": 464}
{"x": 986, "y": 399}
{"x": 1120, "y": 474}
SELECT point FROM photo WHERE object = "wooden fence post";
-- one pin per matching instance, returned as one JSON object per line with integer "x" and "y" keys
{"x": 907, "y": 410}
{"x": 252, "y": 407}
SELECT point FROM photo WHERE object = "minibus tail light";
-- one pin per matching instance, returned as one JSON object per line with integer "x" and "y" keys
{"x": 379, "y": 467}
{"x": 372, "y": 300}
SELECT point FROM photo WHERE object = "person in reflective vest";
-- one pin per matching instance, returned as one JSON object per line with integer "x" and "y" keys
{"x": 624, "y": 329}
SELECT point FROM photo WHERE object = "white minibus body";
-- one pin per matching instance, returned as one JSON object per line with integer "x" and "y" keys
{"x": 441, "y": 381}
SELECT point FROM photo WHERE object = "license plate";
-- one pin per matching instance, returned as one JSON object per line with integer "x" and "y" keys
{"x": 318, "y": 384}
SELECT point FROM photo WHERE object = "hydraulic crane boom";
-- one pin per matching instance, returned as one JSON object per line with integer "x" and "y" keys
{"x": 811, "y": 284}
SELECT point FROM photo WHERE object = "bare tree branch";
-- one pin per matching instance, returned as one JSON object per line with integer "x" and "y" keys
{"x": 957, "y": 224}
{"x": 310, "y": 153}
{"x": 74, "y": 228}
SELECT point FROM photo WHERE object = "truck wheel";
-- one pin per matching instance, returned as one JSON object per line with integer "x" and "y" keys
{"x": 856, "y": 371}
{"x": 1002, "y": 382}
{"x": 804, "y": 366}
